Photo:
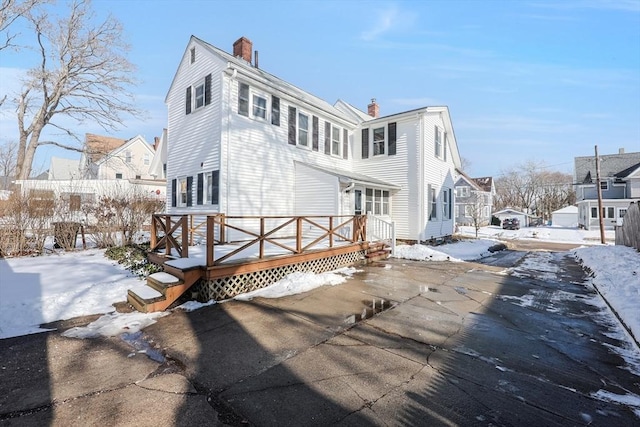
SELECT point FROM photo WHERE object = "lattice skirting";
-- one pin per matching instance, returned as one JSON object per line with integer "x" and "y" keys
{"x": 228, "y": 287}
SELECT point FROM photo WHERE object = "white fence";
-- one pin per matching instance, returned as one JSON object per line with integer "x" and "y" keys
{"x": 379, "y": 229}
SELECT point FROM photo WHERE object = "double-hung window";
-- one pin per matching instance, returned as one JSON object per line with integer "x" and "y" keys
{"x": 335, "y": 141}
{"x": 199, "y": 96}
{"x": 433, "y": 204}
{"x": 211, "y": 187}
{"x": 446, "y": 203}
{"x": 259, "y": 107}
{"x": 604, "y": 185}
{"x": 438, "y": 142}
{"x": 378, "y": 141}
{"x": 303, "y": 129}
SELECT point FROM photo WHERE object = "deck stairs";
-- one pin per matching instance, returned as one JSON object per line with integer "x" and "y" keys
{"x": 377, "y": 251}
{"x": 163, "y": 289}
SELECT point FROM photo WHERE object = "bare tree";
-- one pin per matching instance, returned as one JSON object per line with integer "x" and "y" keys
{"x": 83, "y": 74}
{"x": 465, "y": 164}
{"x": 474, "y": 209}
{"x": 8, "y": 155}
{"x": 10, "y": 12}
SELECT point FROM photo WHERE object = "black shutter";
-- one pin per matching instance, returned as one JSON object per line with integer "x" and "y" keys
{"x": 327, "y": 138}
{"x": 275, "y": 110}
{"x": 174, "y": 186}
{"x": 243, "y": 99}
{"x": 215, "y": 187}
{"x": 314, "y": 135}
{"x": 365, "y": 143}
{"x": 188, "y": 102}
{"x": 199, "y": 192}
{"x": 292, "y": 125}
{"x": 189, "y": 188}
{"x": 392, "y": 139}
{"x": 345, "y": 144}
{"x": 207, "y": 90}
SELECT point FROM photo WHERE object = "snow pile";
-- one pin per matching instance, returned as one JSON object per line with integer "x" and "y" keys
{"x": 297, "y": 283}
{"x": 114, "y": 324}
{"x": 466, "y": 250}
{"x": 616, "y": 271}
{"x": 546, "y": 233}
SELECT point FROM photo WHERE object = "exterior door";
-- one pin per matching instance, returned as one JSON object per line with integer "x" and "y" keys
{"x": 357, "y": 208}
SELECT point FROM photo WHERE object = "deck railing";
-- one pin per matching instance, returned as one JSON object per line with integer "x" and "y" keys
{"x": 292, "y": 234}
{"x": 382, "y": 230}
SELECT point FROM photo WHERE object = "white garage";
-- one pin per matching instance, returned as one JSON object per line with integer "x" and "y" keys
{"x": 512, "y": 213}
{"x": 565, "y": 217}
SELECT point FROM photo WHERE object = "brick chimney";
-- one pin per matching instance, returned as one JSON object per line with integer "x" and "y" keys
{"x": 373, "y": 109}
{"x": 242, "y": 48}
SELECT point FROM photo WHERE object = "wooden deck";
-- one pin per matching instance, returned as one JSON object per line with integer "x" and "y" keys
{"x": 232, "y": 255}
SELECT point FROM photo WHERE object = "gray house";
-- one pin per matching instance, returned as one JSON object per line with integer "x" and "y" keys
{"x": 474, "y": 199}
{"x": 620, "y": 184}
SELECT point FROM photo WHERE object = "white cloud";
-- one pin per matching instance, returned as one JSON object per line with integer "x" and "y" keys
{"x": 387, "y": 20}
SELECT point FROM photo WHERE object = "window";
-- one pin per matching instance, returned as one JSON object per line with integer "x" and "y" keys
{"x": 193, "y": 55}
{"x": 446, "y": 204}
{"x": 438, "y": 142}
{"x": 118, "y": 175}
{"x": 147, "y": 159}
{"x": 138, "y": 176}
{"x": 199, "y": 101}
{"x": 259, "y": 107}
{"x": 127, "y": 156}
{"x": 622, "y": 212}
{"x": 335, "y": 141}
{"x": 376, "y": 201}
{"x": 303, "y": 129}
{"x": 208, "y": 188}
{"x": 182, "y": 191}
{"x": 608, "y": 212}
{"x": 378, "y": 141}
{"x": 462, "y": 191}
{"x": 433, "y": 206}
{"x": 243, "y": 99}
{"x": 594, "y": 212}
{"x": 365, "y": 143}
{"x": 604, "y": 185}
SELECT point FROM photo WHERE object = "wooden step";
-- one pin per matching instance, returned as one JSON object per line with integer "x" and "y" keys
{"x": 162, "y": 290}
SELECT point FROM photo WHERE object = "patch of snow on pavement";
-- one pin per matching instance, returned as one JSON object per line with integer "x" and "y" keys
{"x": 466, "y": 250}
{"x": 111, "y": 325}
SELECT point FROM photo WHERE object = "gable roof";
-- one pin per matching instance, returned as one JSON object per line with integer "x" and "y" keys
{"x": 258, "y": 74}
{"x": 628, "y": 171}
{"x": 98, "y": 146}
{"x": 128, "y": 143}
{"x": 610, "y": 166}
{"x": 486, "y": 183}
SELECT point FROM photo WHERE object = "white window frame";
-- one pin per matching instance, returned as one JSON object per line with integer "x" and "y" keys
{"x": 207, "y": 188}
{"x": 198, "y": 98}
{"x": 622, "y": 212}
{"x": 437, "y": 140}
{"x": 594, "y": 209}
{"x": 127, "y": 156}
{"x": 433, "y": 204}
{"x": 255, "y": 96}
{"x": 446, "y": 205}
{"x": 463, "y": 191}
{"x": 181, "y": 192}
{"x": 147, "y": 159}
{"x": 300, "y": 132}
{"x": 378, "y": 145}
{"x": 604, "y": 185}
{"x": 377, "y": 201}
{"x": 336, "y": 144}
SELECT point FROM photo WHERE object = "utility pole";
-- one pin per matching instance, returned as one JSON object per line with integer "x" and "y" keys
{"x": 600, "y": 212}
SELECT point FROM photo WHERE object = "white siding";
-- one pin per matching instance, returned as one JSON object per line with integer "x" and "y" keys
{"x": 316, "y": 192}
{"x": 439, "y": 174}
{"x": 193, "y": 140}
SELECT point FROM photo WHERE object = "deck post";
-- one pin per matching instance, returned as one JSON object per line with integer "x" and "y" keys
{"x": 298, "y": 234}
{"x": 210, "y": 240}
{"x": 190, "y": 229}
{"x": 167, "y": 220}
{"x": 185, "y": 236}
{"x": 223, "y": 232}
{"x": 261, "y": 238}
{"x": 154, "y": 232}
{"x": 331, "y": 231}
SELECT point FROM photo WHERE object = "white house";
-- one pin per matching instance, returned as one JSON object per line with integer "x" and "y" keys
{"x": 565, "y": 217}
{"x": 64, "y": 169}
{"x": 241, "y": 141}
{"x": 113, "y": 158}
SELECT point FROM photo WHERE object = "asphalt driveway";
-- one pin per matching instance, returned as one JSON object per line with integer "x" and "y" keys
{"x": 401, "y": 343}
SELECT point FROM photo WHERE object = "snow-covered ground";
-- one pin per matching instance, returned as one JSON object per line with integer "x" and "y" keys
{"x": 59, "y": 286}
{"x": 549, "y": 234}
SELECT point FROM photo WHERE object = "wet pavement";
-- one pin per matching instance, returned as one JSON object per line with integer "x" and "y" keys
{"x": 524, "y": 340}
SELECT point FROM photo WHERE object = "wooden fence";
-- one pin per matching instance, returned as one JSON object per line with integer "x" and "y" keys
{"x": 628, "y": 234}
{"x": 292, "y": 234}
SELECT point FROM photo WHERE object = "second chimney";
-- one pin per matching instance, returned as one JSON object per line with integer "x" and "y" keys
{"x": 242, "y": 48}
{"x": 373, "y": 109}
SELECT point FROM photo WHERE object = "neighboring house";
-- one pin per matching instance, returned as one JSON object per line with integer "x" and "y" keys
{"x": 241, "y": 141}
{"x": 619, "y": 182}
{"x": 64, "y": 169}
{"x": 113, "y": 158}
{"x": 507, "y": 213}
{"x": 474, "y": 199}
{"x": 565, "y": 217}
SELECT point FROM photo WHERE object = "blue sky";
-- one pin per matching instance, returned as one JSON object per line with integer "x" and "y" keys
{"x": 524, "y": 80}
